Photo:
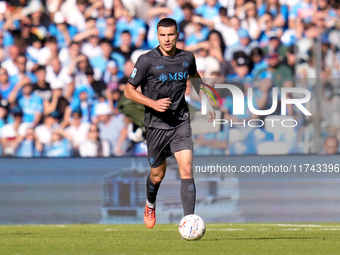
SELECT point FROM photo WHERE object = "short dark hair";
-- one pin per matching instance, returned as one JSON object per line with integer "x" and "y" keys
{"x": 188, "y": 6}
{"x": 223, "y": 11}
{"x": 256, "y": 51}
{"x": 40, "y": 68}
{"x": 167, "y": 22}
{"x": 51, "y": 39}
{"x": 126, "y": 32}
{"x": 89, "y": 19}
{"x": 74, "y": 43}
{"x": 105, "y": 40}
{"x": 82, "y": 2}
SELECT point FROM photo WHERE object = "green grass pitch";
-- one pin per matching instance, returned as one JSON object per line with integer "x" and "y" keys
{"x": 255, "y": 238}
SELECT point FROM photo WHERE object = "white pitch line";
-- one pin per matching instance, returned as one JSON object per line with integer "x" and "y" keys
{"x": 328, "y": 229}
{"x": 226, "y": 229}
{"x": 298, "y": 225}
{"x": 268, "y": 229}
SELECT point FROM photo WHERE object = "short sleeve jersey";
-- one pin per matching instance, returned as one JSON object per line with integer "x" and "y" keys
{"x": 164, "y": 77}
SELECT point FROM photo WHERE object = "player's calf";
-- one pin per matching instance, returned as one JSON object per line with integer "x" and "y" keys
{"x": 188, "y": 195}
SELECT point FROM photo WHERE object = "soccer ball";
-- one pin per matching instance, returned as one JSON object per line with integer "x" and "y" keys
{"x": 192, "y": 227}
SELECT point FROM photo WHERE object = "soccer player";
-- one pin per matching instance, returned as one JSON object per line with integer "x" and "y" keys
{"x": 162, "y": 75}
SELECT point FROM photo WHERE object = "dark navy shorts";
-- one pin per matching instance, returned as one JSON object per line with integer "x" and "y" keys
{"x": 163, "y": 143}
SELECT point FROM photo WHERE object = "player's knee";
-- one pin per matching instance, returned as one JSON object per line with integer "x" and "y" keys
{"x": 186, "y": 172}
{"x": 157, "y": 179}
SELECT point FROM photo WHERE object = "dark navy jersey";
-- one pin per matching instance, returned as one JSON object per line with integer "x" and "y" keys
{"x": 161, "y": 77}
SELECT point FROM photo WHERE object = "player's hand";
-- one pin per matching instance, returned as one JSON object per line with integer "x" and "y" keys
{"x": 162, "y": 105}
{"x": 211, "y": 115}
{"x": 210, "y": 111}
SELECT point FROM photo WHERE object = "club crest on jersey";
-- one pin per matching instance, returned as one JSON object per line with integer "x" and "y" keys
{"x": 185, "y": 64}
{"x": 162, "y": 78}
{"x": 151, "y": 160}
{"x": 173, "y": 76}
{"x": 133, "y": 74}
{"x": 191, "y": 187}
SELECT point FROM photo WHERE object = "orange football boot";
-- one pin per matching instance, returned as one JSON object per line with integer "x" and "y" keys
{"x": 150, "y": 216}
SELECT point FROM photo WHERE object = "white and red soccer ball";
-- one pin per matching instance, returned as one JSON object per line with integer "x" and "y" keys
{"x": 191, "y": 227}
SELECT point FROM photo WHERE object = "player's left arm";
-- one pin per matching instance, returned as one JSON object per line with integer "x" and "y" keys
{"x": 197, "y": 84}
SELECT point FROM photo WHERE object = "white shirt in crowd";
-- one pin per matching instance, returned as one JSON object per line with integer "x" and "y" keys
{"x": 11, "y": 68}
{"x": 90, "y": 149}
{"x": 62, "y": 77}
{"x": 44, "y": 133}
{"x": 252, "y": 26}
{"x": 44, "y": 55}
{"x": 229, "y": 34}
{"x": 79, "y": 135}
{"x": 8, "y": 131}
{"x": 73, "y": 16}
{"x": 89, "y": 51}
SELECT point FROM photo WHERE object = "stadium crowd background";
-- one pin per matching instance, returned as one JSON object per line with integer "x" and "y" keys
{"x": 64, "y": 66}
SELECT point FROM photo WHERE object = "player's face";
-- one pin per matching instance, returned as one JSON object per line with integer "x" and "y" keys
{"x": 167, "y": 37}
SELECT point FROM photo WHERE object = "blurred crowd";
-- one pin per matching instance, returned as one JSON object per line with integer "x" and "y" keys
{"x": 64, "y": 65}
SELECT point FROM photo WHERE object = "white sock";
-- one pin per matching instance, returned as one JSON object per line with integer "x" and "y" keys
{"x": 150, "y": 205}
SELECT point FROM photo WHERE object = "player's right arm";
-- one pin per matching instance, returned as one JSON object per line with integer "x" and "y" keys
{"x": 133, "y": 94}
{"x": 137, "y": 78}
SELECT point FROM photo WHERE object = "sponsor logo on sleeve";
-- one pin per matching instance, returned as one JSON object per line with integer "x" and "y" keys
{"x": 133, "y": 74}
